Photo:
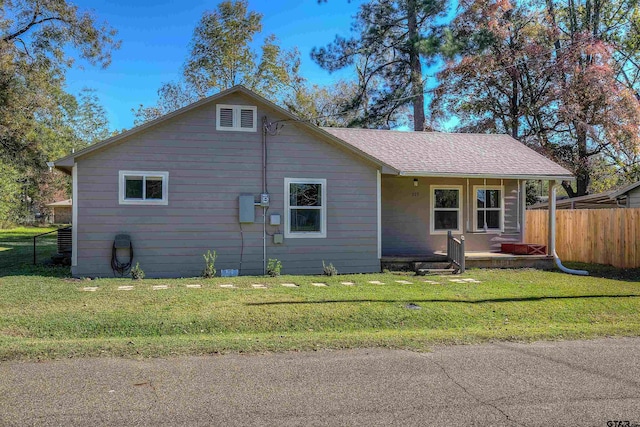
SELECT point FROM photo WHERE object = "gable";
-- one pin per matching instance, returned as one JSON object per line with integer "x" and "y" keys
{"x": 393, "y": 152}
{"x": 239, "y": 98}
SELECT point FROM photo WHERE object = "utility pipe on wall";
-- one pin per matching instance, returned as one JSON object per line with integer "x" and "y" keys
{"x": 264, "y": 190}
{"x": 552, "y": 232}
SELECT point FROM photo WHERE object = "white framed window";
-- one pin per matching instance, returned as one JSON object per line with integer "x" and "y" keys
{"x": 143, "y": 188}
{"x": 305, "y": 205}
{"x": 241, "y": 118}
{"x": 488, "y": 208}
{"x": 446, "y": 209}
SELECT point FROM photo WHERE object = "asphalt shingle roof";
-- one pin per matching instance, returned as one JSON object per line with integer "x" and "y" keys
{"x": 450, "y": 153}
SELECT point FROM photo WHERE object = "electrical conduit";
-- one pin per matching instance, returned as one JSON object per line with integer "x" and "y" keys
{"x": 264, "y": 191}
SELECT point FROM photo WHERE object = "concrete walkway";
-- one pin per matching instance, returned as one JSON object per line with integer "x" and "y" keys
{"x": 578, "y": 383}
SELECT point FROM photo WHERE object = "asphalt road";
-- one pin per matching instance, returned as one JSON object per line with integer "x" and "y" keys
{"x": 576, "y": 383}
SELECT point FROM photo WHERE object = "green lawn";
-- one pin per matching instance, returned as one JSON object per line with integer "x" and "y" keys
{"x": 16, "y": 248}
{"x": 45, "y": 314}
{"x": 51, "y": 317}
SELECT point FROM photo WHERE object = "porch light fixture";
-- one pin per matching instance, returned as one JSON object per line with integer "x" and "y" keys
{"x": 415, "y": 182}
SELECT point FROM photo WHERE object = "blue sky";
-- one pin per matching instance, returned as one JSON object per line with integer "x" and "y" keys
{"x": 155, "y": 37}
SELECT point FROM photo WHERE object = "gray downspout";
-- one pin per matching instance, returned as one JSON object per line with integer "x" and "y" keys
{"x": 552, "y": 233}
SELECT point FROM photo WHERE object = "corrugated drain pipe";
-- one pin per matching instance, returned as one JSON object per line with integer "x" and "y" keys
{"x": 552, "y": 240}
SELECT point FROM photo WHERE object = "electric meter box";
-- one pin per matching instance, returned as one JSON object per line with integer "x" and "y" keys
{"x": 246, "y": 208}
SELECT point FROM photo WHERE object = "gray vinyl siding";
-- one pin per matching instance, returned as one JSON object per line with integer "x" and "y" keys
{"x": 634, "y": 198}
{"x": 208, "y": 170}
{"x": 406, "y": 216}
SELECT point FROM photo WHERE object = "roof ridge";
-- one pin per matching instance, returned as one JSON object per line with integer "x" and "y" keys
{"x": 420, "y": 132}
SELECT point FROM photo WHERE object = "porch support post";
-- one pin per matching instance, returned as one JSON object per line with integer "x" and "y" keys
{"x": 523, "y": 213}
{"x": 551, "y": 241}
{"x": 74, "y": 217}
{"x": 379, "y": 211}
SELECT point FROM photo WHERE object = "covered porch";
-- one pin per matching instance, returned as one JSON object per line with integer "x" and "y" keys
{"x": 489, "y": 214}
{"x": 419, "y": 211}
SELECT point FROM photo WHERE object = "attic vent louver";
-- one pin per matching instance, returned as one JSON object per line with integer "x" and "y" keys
{"x": 226, "y": 117}
{"x": 246, "y": 118}
{"x": 236, "y": 118}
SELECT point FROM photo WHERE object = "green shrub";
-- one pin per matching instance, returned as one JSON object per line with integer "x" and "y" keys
{"x": 210, "y": 263}
{"x": 137, "y": 273}
{"x": 329, "y": 270}
{"x": 273, "y": 267}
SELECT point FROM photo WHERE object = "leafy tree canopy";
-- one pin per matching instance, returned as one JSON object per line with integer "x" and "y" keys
{"x": 221, "y": 56}
{"x": 326, "y": 105}
{"x": 393, "y": 40}
{"x": 557, "y": 75}
{"x": 34, "y": 37}
{"x": 39, "y": 121}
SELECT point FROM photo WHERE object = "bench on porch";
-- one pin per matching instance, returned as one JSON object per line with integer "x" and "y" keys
{"x": 523, "y": 249}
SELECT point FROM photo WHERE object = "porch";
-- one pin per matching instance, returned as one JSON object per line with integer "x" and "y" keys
{"x": 420, "y": 215}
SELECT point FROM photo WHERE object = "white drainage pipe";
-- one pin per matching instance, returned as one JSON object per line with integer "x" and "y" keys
{"x": 552, "y": 235}
{"x": 568, "y": 270}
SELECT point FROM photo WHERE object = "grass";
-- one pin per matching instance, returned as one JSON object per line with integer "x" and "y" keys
{"x": 45, "y": 315}
{"x": 16, "y": 249}
{"x": 50, "y": 317}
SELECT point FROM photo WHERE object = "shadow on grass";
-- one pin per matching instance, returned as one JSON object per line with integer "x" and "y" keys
{"x": 607, "y": 271}
{"x": 35, "y": 271}
{"x": 16, "y": 254}
{"x": 441, "y": 300}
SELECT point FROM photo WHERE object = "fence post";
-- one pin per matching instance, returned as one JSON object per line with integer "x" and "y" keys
{"x": 34, "y": 250}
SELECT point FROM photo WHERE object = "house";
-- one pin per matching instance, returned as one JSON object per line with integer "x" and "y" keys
{"x": 61, "y": 211}
{"x": 237, "y": 174}
{"x": 625, "y": 197}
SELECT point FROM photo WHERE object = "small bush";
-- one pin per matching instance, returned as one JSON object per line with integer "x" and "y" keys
{"x": 273, "y": 267}
{"x": 137, "y": 273}
{"x": 329, "y": 270}
{"x": 210, "y": 263}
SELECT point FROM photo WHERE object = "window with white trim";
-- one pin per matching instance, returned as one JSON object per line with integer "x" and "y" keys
{"x": 488, "y": 209}
{"x": 446, "y": 209}
{"x": 143, "y": 188}
{"x": 241, "y": 118}
{"x": 305, "y": 207}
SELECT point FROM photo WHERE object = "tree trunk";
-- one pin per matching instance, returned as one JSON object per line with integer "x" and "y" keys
{"x": 417, "y": 86}
{"x": 582, "y": 167}
{"x": 567, "y": 187}
{"x": 514, "y": 107}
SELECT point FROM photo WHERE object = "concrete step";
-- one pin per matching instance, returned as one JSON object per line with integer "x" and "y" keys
{"x": 430, "y": 271}
{"x": 431, "y": 265}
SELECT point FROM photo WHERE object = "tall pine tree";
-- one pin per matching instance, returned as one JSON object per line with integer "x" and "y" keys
{"x": 394, "y": 40}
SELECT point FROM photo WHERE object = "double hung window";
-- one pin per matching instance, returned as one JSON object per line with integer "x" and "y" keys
{"x": 489, "y": 208}
{"x": 446, "y": 209}
{"x": 305, "y": 207}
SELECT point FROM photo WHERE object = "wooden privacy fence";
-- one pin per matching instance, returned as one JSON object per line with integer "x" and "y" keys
{"x": 601, "y": 236}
